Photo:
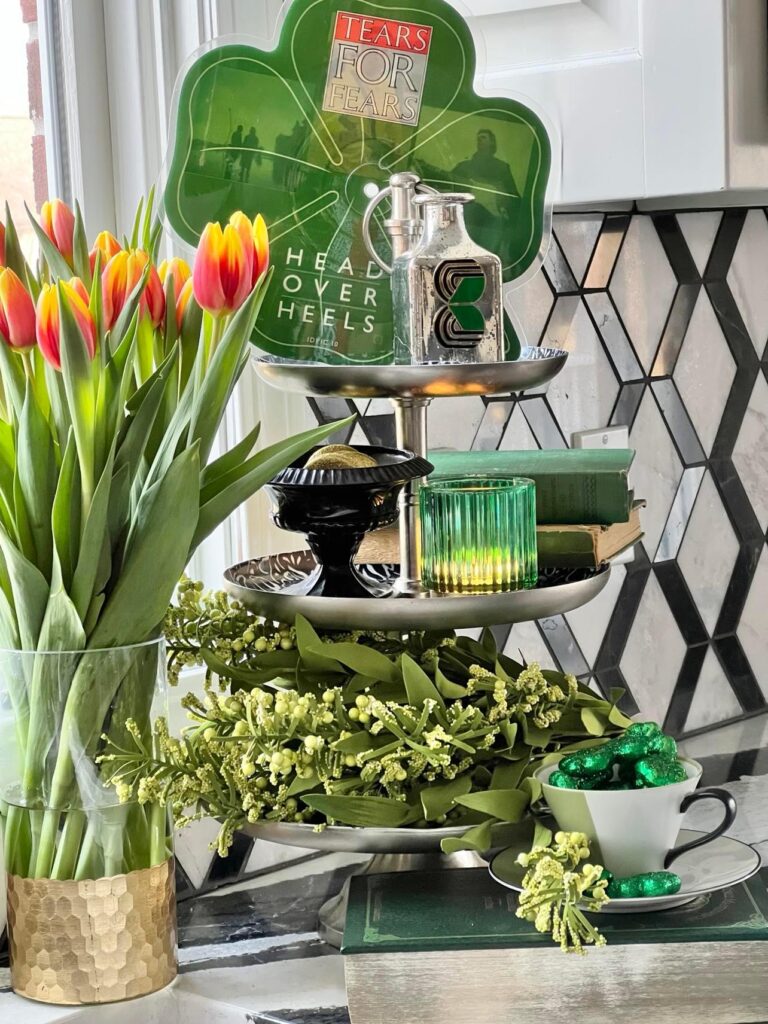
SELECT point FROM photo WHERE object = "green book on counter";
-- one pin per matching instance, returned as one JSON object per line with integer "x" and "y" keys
{"x": 573, "y": 485}
{"x": 446, "y": 947}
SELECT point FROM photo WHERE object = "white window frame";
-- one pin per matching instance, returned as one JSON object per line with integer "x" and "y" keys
{"x": 110, "y": 71}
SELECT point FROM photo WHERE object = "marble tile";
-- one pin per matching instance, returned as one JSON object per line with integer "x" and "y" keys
{"x": 557, "y": 268}
{"x": 274, "y": 986}
{"x": 518, "y": 436}
{"x": 654, "y": 654}
{"x": 454, "y": 422}
{"x": 609, "y": 242}
{"x": 679, "y": 514}
{"x": 557, "y": 333}
{"x": 492, "y": 426}
{"x": 269, "y": 856}
{"x": 582, "y": 396}
{"x": 714, "y": 700}
{"x": 704, "y": 372}
{"x": 753, "y": 626}
{"x": 746, "y": 277}
{"x": 614, "y": 336}
{"x": 656, "y": 471}
{"x": 590, "y": 622}
{"x": 561, "y": 640}
{"x": 577, "y": 234}
{"x": 642, "y": 271}
{"x": 193, "y": 849}
{"x": 708, "y": 553}
{"x": 525, "y": 640}
{"x": 699, "y": 230}
{"x": 750, "y": 454}
{"x": 751, "y": 734}
{"x": 543, "y": 424}
{"x": 529, "y": 306}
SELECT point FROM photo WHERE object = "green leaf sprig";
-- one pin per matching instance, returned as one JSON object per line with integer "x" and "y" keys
{"x": 360, "y": 729}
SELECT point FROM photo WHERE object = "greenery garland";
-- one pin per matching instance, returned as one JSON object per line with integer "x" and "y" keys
{"x": 361, "y": 729}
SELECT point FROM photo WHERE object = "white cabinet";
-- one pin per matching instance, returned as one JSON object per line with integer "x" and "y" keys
{"x": 652, "y": 97}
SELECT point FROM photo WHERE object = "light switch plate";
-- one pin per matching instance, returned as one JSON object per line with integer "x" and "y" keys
{"x": 605, "y": 437}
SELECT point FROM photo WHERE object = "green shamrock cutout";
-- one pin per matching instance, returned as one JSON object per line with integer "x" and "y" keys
{"x": 355, "y": 91}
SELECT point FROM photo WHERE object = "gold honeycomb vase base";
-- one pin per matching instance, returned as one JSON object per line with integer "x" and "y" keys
{"x": 100, "y": 941}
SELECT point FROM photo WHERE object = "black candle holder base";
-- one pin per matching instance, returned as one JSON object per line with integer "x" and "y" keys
{"x": 335, "y": 508}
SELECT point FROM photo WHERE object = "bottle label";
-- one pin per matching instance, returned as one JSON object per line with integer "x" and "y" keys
{"x": 459, "y": 286}
{"x": 377, "y": 68}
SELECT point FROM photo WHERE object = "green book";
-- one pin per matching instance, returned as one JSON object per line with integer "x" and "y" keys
{"x": 446, "y": 947}
{"x": 573, "y": 485}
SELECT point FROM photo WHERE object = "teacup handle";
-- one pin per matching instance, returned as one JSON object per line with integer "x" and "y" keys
{"x": 728, "y": 802}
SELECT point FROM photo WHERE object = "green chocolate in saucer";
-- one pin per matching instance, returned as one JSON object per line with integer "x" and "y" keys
{"x": 653, "y": 883}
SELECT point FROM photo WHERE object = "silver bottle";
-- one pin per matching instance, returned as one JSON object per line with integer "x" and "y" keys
{"x": 446, "y": 291}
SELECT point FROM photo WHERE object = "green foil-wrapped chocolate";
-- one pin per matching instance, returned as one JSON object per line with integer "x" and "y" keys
{"x": 655, "y": 771}
{"x": 648, "y": 730}
{"x": 628, "y": 777}
{"x": 562, "y": 780}
{"x": 663, "y": 746}
{"x": 589, "y": 762}
{"x": 653, "y": 883}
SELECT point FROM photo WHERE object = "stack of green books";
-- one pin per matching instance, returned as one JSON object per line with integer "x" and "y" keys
{"x": 585, "y": 509}
{"x": 446, "y": 947}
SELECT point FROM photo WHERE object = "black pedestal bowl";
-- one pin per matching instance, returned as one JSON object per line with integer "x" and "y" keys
{"x": 335, "y": 508}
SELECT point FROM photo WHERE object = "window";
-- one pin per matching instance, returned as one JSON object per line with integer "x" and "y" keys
{"x": 23, "y": 173}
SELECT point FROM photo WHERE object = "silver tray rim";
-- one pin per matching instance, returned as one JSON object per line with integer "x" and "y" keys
{"x": 535, "y": 367}
{"x": 349, "y": 839}
{"x": 427, "y": 611}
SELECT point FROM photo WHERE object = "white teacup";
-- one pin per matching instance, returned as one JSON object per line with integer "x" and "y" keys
{"x": 633, "y": 831}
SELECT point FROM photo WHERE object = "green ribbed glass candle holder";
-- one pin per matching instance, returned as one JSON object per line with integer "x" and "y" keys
{"x": 479, "y": 535}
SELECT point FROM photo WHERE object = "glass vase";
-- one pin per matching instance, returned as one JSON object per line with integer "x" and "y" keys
{"x": 479, "y": 535}
{"x": 103, "y": 868}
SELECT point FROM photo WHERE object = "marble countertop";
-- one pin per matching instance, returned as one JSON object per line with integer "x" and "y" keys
{"x": 251, "y": 953}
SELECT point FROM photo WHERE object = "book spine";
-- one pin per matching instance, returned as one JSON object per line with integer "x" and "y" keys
{"x": 573, "y": 498}
{"x": 566, "y": 549}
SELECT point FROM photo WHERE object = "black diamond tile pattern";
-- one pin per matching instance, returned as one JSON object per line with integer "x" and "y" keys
{"x": 714, "y": 362}
{"x": 693, "y": 381}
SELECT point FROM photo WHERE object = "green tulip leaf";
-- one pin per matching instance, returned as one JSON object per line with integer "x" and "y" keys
{"x": 594, "y": 722}
{"x": 479, "y": 838}
{"x": 360, "y": 811}
{"x": 439, "y": 798}
{"x": 504, "y": 804}
{"x": 418, "y": 685}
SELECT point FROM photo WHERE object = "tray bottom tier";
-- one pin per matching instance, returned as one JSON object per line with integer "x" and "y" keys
{"x": 272, "y": 586}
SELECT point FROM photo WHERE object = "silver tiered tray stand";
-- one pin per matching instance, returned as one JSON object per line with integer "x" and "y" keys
{"x": 264, "y": 584}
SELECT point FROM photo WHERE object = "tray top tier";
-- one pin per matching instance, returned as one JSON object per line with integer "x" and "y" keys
{"x": 536, "y": 366}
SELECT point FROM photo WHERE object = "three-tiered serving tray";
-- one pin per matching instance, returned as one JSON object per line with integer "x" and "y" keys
{"x": 267, "y": 584}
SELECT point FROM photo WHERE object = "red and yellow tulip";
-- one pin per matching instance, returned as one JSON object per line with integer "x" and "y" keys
{"x": 120, "y": 277}
{"x": 223, "y": 273}
{"x": 58, "y": 223}
{"x": 17, "y": 312}
{"x": 255, "y": 238}
{"x": 107, "y": 245}
{"x": 178, "y": 269}
{"x": 49, "y": 319}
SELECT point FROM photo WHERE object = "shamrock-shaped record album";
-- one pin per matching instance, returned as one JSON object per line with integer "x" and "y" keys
{"x": 353, "y": 92}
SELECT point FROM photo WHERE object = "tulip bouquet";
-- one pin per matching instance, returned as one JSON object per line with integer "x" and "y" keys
{"x": 115, "y": 374}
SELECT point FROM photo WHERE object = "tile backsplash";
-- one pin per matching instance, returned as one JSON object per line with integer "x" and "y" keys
{"x": 666, "y": 319}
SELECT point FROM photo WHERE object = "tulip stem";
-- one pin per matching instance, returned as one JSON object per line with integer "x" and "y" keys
{"x": 26, "y": 358}
{"x": 217, "y": 330}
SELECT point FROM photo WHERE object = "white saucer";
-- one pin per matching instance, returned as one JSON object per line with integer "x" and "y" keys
{"x": 718, "y": 865}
